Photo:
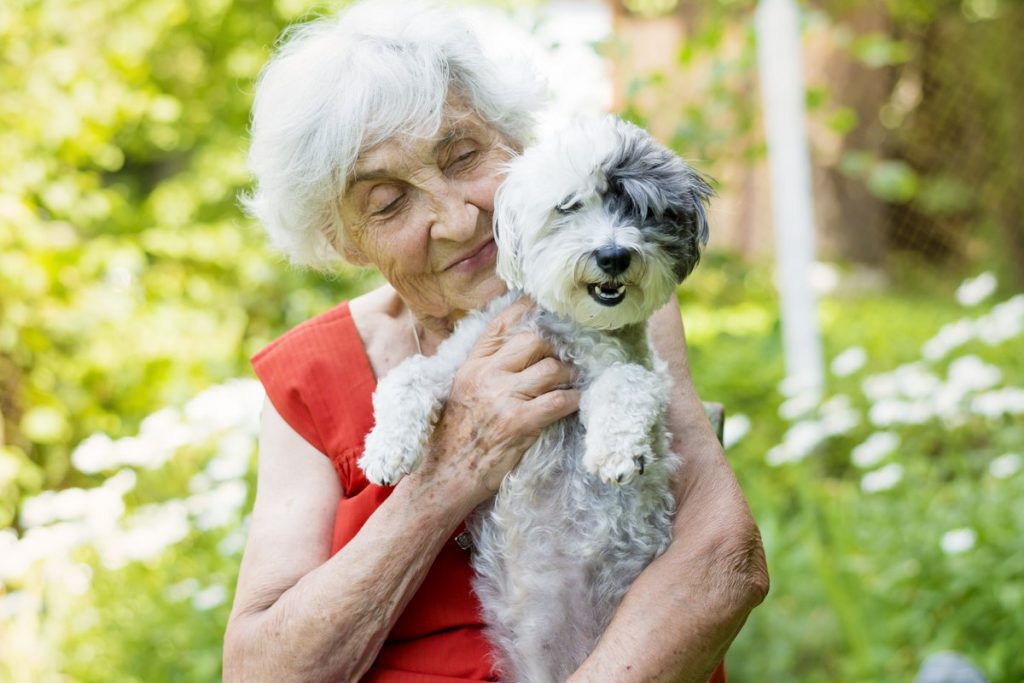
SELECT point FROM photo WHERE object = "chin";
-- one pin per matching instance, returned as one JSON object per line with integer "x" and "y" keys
{"x": 485, "y": 290}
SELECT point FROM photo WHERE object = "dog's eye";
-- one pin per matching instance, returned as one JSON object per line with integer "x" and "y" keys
{"x": 566, "y": 209}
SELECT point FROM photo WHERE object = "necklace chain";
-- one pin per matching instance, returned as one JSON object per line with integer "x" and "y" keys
{"x": 415, "y": 334}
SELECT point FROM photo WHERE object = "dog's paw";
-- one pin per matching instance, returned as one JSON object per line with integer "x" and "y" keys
{"x": 618, "y": 466}
{"x": 381, "y": 473}
{"x": 385, "y": 462}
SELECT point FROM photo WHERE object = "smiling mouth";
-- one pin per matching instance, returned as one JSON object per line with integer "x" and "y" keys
{"x": 607, "y": 293}
{"x": 474, "y": 259}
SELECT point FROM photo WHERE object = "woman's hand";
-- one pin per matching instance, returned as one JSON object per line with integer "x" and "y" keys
{"x": 507, "y": 391}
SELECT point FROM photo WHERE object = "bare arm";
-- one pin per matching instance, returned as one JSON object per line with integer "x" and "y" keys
{"x": 679, "y": 617}
{"x": 300, "y": 614}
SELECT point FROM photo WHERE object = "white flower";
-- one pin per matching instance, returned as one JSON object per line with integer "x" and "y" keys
{"x": 956, "y": 541}
{"x": 232, "y": 544}
{"x": 736, "y": 427}
{"x": 218, "y": 506}
{"x": 93, "y": 454}
{"x": 99, "y": 506}
{"x": 799, "y": 441}
{"x": 882, "y": 479}
{"x": 849, "y": 361}
{"x": 233, "y": 453}
{"x": 182, "y": 590}
{"x": 890, "y": 412}
{"x": 916, "y": 382}
{"x": 993, "y": 404}
{"x": 798, "y": 405}
{"x": 74, "y": 577}
{"x": 874, "y": 449}
{"x": 147, "y": 534}
{"x": 209, "y": 597}
{"x": 970, "y": 373}
{"x": 1005, "y": 465}
{"x": 881, "y": 386}
{"x": 17, "y": 603}
{"x": 911, "y": 380}
{"x": 948, "y": 338}
{"x": 235, "y": 403}
{"x": 1005, "y": 321}
{"x": 973, "y": 292}
{"x": 40, "y": 543}
{"x": 837, "y": 416}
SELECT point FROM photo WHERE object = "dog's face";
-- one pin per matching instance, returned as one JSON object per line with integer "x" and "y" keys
{"x": 600, "y": 224}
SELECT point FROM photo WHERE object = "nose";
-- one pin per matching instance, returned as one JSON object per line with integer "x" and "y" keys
{"x": 456, "y": 218}
{"x": 612, "y": 260}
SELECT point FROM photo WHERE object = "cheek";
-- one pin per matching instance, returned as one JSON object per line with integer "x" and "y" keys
{"x": 396, "y": 245}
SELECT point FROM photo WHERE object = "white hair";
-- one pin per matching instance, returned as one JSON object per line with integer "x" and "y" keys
{"x": 341, "y": 84}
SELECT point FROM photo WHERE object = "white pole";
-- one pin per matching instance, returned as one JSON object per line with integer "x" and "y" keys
{"x": 782, "y": 91}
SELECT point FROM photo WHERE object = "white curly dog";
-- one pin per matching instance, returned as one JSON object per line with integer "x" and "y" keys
{"x": 598, "y": 224}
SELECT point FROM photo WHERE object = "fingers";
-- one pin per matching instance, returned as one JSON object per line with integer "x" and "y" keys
{"x": 522, "y": 350}
{"x": 498, "y": 328}
{"x": 551, "y": 407}
{"x": 543, "y": 376}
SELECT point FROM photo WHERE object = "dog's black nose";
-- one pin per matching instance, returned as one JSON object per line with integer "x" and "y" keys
{"x": 612, "y": 260}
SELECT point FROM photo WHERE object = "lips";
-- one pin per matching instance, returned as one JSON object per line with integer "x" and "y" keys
{"x": 475, "y": 258}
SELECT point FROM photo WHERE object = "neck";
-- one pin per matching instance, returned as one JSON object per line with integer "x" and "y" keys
{"x": 431, "y": 331}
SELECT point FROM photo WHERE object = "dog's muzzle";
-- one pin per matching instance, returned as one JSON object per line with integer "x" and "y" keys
{"x": 612, "y": 260}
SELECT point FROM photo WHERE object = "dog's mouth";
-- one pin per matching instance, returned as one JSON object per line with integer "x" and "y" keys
{"x": 607, "y": 293}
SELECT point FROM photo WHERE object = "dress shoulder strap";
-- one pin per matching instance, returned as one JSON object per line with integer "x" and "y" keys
{"x": 319, "y": 379}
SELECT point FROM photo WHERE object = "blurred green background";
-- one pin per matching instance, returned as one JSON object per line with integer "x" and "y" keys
{"x": 132, "y": 292}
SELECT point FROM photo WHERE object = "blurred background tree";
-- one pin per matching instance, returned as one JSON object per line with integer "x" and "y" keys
{"x": 132, "y": 292}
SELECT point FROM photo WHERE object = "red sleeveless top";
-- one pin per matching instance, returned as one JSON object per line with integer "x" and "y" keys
{"x": 319, "y": 379}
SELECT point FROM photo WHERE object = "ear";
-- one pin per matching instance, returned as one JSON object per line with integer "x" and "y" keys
{"x": 508, "y": 230}
{"x": 688, "y": 209}
{"x": 701, "y": 192}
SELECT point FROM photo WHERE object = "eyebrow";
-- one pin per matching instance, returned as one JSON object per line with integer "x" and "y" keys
{"x": 452, "y": 134}
{"x": 375, "y": 174}
{"x": 449, "y": 137}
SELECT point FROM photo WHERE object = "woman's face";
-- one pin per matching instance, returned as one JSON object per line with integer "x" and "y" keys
{"x": 420, "y": 210}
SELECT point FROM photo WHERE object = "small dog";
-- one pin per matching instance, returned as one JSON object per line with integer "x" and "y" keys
{"x": 598, "y": 225}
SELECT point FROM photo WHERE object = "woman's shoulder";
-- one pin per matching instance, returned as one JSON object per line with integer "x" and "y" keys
{"x": 318, "y": 377}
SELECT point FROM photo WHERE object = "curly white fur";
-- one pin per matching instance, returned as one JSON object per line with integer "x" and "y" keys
{"x": 575, "y": 522}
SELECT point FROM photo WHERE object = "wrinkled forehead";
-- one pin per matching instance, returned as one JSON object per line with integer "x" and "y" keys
{"x": 407, "y": 147}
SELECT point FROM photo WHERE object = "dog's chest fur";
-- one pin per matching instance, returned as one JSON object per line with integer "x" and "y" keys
{"x": 556, "y": 548}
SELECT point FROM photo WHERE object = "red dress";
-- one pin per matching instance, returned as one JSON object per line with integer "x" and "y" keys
{"x": 319, "y": 379}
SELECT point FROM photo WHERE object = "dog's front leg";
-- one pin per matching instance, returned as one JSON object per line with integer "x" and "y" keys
{"x": 406, "y": 406}
{"x": 409, "y": 400}
{"x": 619, "y": 411}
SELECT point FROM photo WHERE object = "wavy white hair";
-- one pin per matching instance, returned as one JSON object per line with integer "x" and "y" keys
{"x": 341, "y": 84}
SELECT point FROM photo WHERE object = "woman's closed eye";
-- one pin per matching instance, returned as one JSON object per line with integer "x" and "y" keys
{"x": 385, "y": 199}
{"x": 464, "y": 156}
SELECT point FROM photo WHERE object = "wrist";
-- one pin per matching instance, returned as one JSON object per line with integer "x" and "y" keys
{"x": 448, "y": 497}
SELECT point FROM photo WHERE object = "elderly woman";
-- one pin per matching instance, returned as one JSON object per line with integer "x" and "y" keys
{"x": 379, "y": 136}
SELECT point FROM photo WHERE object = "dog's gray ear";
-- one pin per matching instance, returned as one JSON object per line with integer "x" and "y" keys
{"x": 668, "y": 198}
{"x": 508, "y": 232}
{"x": 687, "y": 212}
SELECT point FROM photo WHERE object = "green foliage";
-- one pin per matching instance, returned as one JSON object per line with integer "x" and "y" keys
{"x": 129, "y": 281}
{"x": 127, "y": 278}
{"x": 713, "y": 115}
{"x": 861, "y": 586}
